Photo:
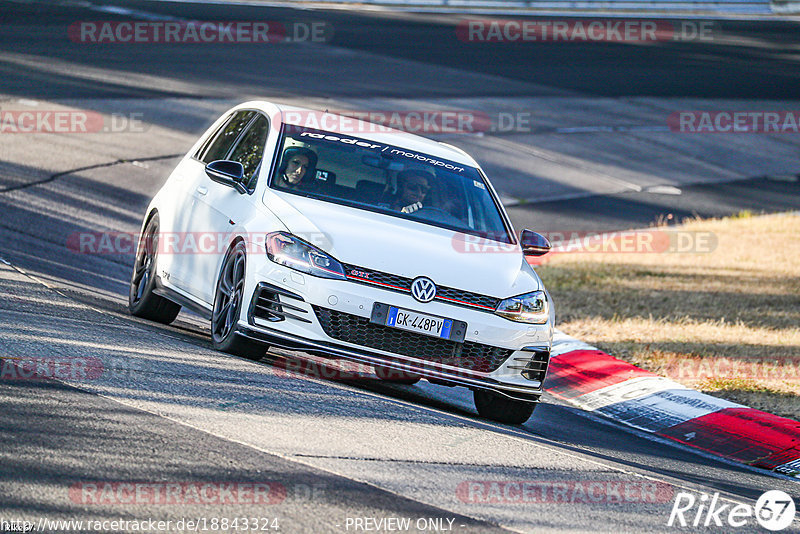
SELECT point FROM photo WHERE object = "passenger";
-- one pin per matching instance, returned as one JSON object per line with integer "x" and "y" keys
{"x": 297, "y": 163}
{"x": 412, "y": 188}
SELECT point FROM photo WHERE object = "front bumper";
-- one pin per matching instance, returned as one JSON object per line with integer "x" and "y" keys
{"x": 332, "y": 318}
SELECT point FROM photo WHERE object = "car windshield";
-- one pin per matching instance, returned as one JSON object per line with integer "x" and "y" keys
{"x": 387, "y": 179}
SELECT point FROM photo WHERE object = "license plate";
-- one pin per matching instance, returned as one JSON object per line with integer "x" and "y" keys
{"x": 422, "y": 323}
{"x": 419, "y": 322}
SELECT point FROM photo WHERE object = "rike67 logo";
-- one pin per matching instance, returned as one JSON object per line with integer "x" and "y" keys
{"x": 774, "y": 511}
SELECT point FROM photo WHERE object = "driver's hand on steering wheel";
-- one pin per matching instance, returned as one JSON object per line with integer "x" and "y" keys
{"x": 411, "y": 208}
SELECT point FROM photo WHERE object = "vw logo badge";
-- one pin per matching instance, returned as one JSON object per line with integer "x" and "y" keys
{"x": 423, "y": 289}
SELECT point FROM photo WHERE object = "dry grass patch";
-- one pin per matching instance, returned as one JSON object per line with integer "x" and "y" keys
{"x": 726, "y": 321}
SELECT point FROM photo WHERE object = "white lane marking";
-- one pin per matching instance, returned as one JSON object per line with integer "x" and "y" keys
{"x": 655, "y": 189}
{"x": 783, "y": 177}
{"x": 554, "y": 158}
{"x": 117, "y": 10}
{"x": 592, "y": 129}
{"x": 663, "y": 190}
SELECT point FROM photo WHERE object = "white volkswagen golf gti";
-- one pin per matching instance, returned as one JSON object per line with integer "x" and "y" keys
{"x": 380, "y": 247}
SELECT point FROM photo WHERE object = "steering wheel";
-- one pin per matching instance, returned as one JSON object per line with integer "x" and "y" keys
{"x": 437, "y": 214}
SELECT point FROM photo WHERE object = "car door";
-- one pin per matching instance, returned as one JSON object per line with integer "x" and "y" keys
{"x": 194, "y": 224}
{"x": 223, "y": 209}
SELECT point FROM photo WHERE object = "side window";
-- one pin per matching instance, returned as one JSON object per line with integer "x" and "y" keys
{"x": 210, "y": 139}
{"x": 250, "y": 149}
{"x": 226, "y": 136}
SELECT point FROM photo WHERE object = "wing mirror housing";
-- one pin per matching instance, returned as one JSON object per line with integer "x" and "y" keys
{"x": 534, "y": 244}
{"x": 225, "y": 172}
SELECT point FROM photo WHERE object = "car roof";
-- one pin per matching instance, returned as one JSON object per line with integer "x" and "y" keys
{"x": 364, "y": 130}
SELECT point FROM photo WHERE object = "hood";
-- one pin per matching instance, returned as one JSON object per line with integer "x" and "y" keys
{"x": 404, "y": 247}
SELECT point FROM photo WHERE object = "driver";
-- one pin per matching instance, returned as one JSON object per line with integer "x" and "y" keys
{"x": 412, "y": 188}
{"x": 297, "y": 163}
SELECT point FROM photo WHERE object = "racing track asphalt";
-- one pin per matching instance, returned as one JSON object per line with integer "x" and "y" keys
{"x": 168, "y": 408}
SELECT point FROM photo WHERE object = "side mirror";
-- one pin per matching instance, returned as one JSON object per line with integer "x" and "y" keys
{"x": 534, "y": 244}
{"x": 230, "y": 173}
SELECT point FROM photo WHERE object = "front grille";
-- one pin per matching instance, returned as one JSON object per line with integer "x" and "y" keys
{"x": 360, "y": 331}
{"x": 465, "y": 298}
{"x": 378, "y": 278}
{"x": 401, "y": 284}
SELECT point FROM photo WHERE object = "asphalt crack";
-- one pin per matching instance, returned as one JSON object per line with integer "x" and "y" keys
{"x": 434, "y": 462}
{"x": 58, "y": 175}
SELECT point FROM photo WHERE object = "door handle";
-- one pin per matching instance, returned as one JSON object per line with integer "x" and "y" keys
{"x": 202, "y": 190}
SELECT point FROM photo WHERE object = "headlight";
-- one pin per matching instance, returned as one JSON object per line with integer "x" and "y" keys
{"x": 290, "y": 251}
{"x": 527, "y": 308}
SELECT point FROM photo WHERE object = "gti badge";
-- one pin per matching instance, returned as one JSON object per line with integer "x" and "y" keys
{"x": 423, "y": 289}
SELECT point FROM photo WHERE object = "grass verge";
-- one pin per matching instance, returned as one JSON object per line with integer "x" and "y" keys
{"x": 712, "y": 304}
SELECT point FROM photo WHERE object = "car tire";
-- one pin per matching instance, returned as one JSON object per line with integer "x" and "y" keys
{"x": 228, "y": 298}
{"x": 142, "y": 302}
{"x": 396, "y": 377}
{"x": 502, "y": 409}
